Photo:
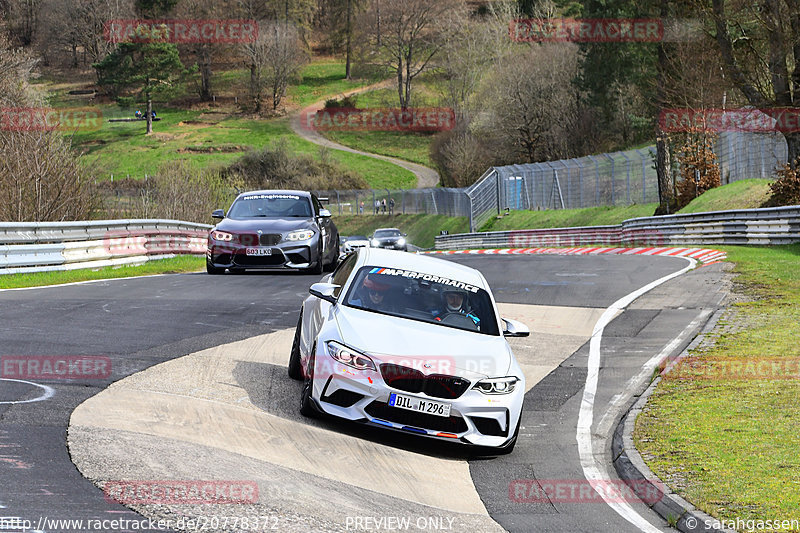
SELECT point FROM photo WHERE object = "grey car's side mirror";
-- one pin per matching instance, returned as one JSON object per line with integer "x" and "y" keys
{"x": 515, "y": 329}
{"x": 324, "y": 291}
{"x": 324, "y": 213}
{"x": 218, "y": 213}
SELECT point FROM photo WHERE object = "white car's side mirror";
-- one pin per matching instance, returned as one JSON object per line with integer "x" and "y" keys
{"x": 515, "y": 328}
{"x": 324, "y": 291}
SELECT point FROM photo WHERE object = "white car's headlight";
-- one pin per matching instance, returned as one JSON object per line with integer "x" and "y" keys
{"x": 221, "y": 236}
{"x": 497, "y": 385}
{"x": 348, "y": 356}
{"x": 301, "y": 235}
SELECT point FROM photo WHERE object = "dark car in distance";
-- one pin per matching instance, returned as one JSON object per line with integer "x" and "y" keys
{"x": 274, "y": 229}
{"x": 390, "y": 238}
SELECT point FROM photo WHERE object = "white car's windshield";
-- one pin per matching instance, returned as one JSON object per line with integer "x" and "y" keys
{"x": 423, "y": 297}
{"x": 271, "y": 205}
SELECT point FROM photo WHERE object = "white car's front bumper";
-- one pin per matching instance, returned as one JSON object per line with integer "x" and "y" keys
{"x": 475, "y": 418}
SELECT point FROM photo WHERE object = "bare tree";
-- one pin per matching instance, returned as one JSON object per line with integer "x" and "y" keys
{"x": 77, "y": 26}
{"x": 275, "y": 59}
{"x": 470, "y": 48}
{"x": 531, "y": 104}
{"x": 412, "y": 32}
{"x": 760, "y": 47}
{"x": 23, "y": 20}
{"x": 16, "y": 67}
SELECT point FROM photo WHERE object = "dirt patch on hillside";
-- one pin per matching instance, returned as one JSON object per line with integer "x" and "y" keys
{"x": 211, "y": 149}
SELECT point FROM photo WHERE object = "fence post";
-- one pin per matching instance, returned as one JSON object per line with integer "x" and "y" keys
{"x": 338, "y": 201}
{"x": 627, "y": 177}
{"x": 596, "y": 180}
{"x": 471, "y": 220}
{"x": 613, "y": 199}
{"x": 404, "y": 201}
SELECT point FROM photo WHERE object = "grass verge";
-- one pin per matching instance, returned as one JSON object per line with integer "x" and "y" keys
{"x": 744, "y": 194}
{"x": 728, "y": 445}
{"x": 421, "y": 229}
{"x": 175, "y": 265}
{"x": 564, "y": 218}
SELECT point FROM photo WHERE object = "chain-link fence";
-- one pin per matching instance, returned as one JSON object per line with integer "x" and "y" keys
{"x": 619, "y": 178}
{"x": 750, "y": 155}
{"x": 435, "y": 201}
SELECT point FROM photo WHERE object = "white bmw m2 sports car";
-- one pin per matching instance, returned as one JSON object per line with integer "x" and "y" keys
{"x": 412, "y": 343}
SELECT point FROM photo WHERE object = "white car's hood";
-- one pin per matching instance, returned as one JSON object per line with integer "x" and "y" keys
{"x": 416, "y": 344}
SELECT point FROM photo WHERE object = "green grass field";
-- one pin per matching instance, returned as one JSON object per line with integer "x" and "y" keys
{"x": 410, "y": 146}
{"x": 216, "y": 135}
{"x": 564, "y": 218}
{"x": 744, "y": 194}
{"x": 730, "y": 446}
{"x": 175, "y": 265}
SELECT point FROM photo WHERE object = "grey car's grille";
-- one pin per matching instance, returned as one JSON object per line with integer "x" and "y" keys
{"x": 270, "y": 239}
{"x": 412, "y": 380}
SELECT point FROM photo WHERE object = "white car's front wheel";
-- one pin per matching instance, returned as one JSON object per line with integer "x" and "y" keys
{"x": 307, "y": 407}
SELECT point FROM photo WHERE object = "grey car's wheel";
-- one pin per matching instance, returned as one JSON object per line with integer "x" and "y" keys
{"x": 211, "y": 269}
{"x": 307, "y": 407}
{"x": 295, "y": 368}
{"x": 330, "y": 267}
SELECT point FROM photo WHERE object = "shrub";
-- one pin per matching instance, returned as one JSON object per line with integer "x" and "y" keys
{"x": 699, "y": 168}
{"x": 786, "y": 189}
{"x": 181, "y": 191}
{"x": 275, "y": 167}
{"x": 42, "y": 180}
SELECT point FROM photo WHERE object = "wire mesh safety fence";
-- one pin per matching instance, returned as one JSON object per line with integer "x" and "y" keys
{"x": 435, "y": 201}
{"x": 618, "y": 178}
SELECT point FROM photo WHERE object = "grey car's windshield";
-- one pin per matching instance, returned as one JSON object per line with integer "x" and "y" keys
{"x": 423, "y": 297}
{"x": 383, "y": 233}
{"x": 271, "y": 206}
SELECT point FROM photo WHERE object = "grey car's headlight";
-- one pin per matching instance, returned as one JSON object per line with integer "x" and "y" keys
{"x": 504, "y": 385}
{"x": 348, "y": 356}
{"x": 223, "y": 236}
{"x": 301, "y": 235}
{"x": 401, "y": 241}
{"x": 375, "y": 242}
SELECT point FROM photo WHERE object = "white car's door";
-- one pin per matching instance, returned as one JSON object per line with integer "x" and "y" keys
{"x": 316, "y": 310}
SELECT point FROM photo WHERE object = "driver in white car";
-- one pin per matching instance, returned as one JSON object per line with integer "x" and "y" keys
{"x": 456, "y": 302}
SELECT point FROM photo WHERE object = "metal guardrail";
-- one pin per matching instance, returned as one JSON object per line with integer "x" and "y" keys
{"x": 48, "y": 246}
{"x": 778, "y": 225}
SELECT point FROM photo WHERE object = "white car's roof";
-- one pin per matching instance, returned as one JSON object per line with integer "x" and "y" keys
{"x": 422, "y": 263}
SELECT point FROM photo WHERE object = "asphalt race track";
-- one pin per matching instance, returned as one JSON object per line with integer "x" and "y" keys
{"x": 201, "y": 393}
